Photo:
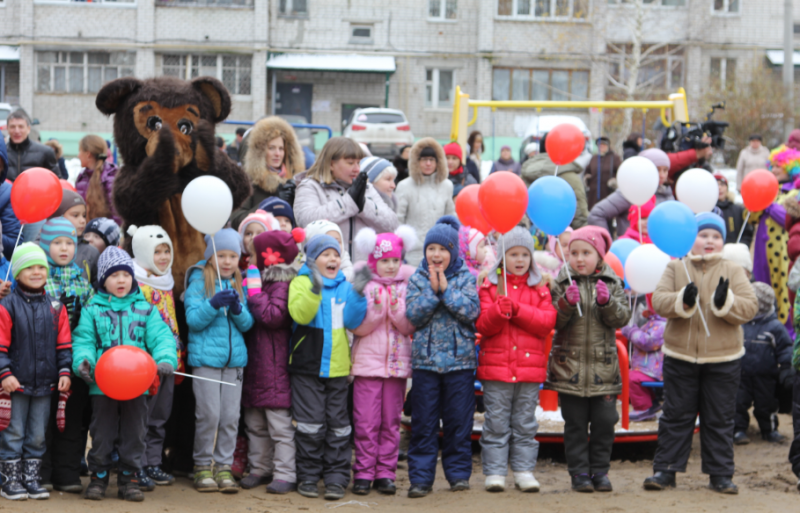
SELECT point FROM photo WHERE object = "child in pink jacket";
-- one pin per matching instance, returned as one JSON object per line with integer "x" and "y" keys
{"x": 381, "y": 360}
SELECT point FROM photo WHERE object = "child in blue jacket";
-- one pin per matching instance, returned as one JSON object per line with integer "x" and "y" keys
{"x": 442, "y": 303}
{"x": 217, "y": 316}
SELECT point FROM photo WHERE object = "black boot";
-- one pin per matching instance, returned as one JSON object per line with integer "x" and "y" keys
{"x": 740, "y": 438}
{"x": 13, "y": 489}
{"x": 602, "y": 483}
{"x": 417, "y": 491}
{"x": 128, "y": 485}
{"x": 385, "y": 486}
{"x": 660, "y": 480}
{"x": 723, "y": 484}
{"x": 96, "y": 490}
{"x": 773, "y": 437}
{"x": 32, "y": 475}
{"x": 582, "y": 483}
{"x": 361, "y": 486}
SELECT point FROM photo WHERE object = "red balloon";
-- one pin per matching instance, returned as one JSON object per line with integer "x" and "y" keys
{"x": 503, "y": 199}
{"x": 759, "y": 190}
{"x": 66, "y": 185}
{"x": 35, "y": 195}
{"x": 564, "y": 143}
{"x": 614, "y": 262}
{"x": 468, "y": 209}
{"x": 125, "y": 372}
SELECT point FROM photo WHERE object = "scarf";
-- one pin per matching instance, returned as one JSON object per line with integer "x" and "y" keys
{"x": 145, "y": 277}
{"x": 459, "y": 170}
{"x": 281, "y": 173}
{"x": 67, "y": 284}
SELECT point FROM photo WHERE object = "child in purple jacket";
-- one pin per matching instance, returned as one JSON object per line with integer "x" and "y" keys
{"x": 267, "y": 394}
{"x": 646, "y": 361}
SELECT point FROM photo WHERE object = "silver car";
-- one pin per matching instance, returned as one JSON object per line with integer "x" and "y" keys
{"x": 384, "y": 131}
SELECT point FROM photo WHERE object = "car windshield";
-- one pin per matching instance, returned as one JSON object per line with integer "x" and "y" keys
{"x": 380, "y": 117}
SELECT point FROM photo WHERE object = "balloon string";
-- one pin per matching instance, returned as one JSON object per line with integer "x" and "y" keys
{"x": 633, "y": 308}
{"x": 203, "y": 379}
{"x": 747, "y": 218}
{"x": 556, "y": 172}
{"x": 641, "y": 241}
{"x": 15, "y": 248}
{"x": 505, "y": 279}
{"x": 699, "y": 308}
{"x": 569, "y": 275}
{"x": 219, "y": 276}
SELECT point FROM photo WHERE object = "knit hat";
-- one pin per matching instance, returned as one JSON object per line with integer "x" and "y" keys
{"x": 657, "y": 157}
{"x": 105, "y": 228}
{"x": 739, "y": 254}
{"x": 374, "y": 166}
{"x": 144, "y": 241}
{"x": 265, "y": 219}
{"x": 53, "y": 229}
{"x": 444, "y": 233}
{"x": 26, "y": 255}
{"x": 385, "y": 245}
{"x": 277, "y": 247}
{"x": 428, "y": 151}
{"x": 322, "y": 227}
{"x": 111, "y": 260}
{"x": 766, "y": 298}
{"x": 277, "y": 207}
{"x": 505, "y": 147}
{"x": 68, "y": 200}
{"x": 633, "y": 212}
{"x": 595, "y": 236}
{"x": 710, "y": 220}
{"x": 518, "y": 236}
{"x": 453, "y": 149}
{"x": 531, "y": 147}
{"x": 318, "y": 244}
{"x": 225, "y": 239}
{"x": 720, "y": 178}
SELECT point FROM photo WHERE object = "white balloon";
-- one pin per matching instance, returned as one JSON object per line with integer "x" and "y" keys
{"x": 207, "y": 203}
{"x": 697, "y": 189}
{"x": 637, "y": 179}
{"x": 644, "y": 268}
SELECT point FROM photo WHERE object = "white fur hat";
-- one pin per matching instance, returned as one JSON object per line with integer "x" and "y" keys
{"x": 144, "y": 242}
{"x": 738, "y": 253}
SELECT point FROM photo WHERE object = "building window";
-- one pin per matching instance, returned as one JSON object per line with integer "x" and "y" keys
{"x": 361, "y": 34}
{"x": 726, "y": 6}
{"x": 723, "y": 72}
{"x": 89, "y": 1}
{"x": 663, "y": 3}
{"x": 233, "y": 70}
{"x": 442, "y": 9}
{"x": 293, "y": 7}
{"x": 523, "y": 84}
{"x": 439, "y": 88}
{"x": 80, "y": 72}
{"x": 546, "y": 9}
{"x": 207, "y": 3}
{"x": 660, "y": 68}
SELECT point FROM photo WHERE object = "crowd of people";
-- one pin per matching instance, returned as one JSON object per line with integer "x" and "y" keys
{"x": 336, "y": 282}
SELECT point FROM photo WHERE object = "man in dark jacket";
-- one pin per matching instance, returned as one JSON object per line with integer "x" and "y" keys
{"x": 23, "y": 153}
{"x": 768, "y": 351}
{"x": 599, "y": 182}
{"x": 9, "y": 224}
{"x": 233, "y": 148}
{"x": 733, "y": 214}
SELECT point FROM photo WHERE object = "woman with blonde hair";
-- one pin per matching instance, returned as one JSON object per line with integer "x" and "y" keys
{"x": 95, "y": 182}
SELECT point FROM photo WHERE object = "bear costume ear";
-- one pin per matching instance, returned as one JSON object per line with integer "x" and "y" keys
{"x": 113, "y": 93}
{"x": 217, "y": 94}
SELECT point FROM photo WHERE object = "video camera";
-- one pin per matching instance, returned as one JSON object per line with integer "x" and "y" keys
{"x": 689, "y": 136}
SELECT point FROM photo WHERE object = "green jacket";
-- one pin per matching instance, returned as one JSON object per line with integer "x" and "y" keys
{"x": 541, "y": 165}
{"x": 109, "y": 321}
{"x": 583, "y": 360}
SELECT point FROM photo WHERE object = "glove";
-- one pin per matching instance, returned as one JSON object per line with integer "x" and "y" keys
{"x": 286, "y": 191}
{"x": 222, "y": 298}
{"x": 786, "y": 377}
{"x": 360, "y": 280}
{"x": 316, "y": 276}
{"x": 690, "y": 295}
{"x": 602, "y": 293}
{"x": 506, "y": 305}
{"x": 358, "y": 190}
{"x": 572, "y": 294}
{"x": 86, "y": 371}
{"x": 721, "y": 294}
{"x": 236, "y": 305}
{"x": 164, "y": 369}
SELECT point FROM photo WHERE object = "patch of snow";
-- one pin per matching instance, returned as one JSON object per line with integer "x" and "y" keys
{"x": 552, "y": 416}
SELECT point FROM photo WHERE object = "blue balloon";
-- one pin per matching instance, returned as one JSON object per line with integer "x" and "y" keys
{"x": 673, "y": 228}
{"x": 622, "y": 248}
{"x": 551, "y": 204}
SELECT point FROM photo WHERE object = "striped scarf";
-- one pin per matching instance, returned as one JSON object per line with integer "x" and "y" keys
{"x": 67, "y": 284}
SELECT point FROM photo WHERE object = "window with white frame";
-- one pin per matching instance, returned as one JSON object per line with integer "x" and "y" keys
{"x": 442, "y": 9}
{"x": 361, "y": 33}
{"x": 663, "y": 3}
{"x": 81, "y": 72}
{"x": 543, "y": 9}
{"x": 233, "y": 70}
{"x": 726, "y": 6}
{"x": 90, "y": 1}
{"x": 723, "y": 72}
{"x": 293, "y": 7}
{"x": 439, "y": 87}
{"x": 207, "y": 3}
{"x": 661, "y": 67}
{"x": 524, "y": 84}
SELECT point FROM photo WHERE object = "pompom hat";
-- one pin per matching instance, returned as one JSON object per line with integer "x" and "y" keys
{"x": 385, "y": 245}
{"x": 265, "y": 219}
{"x": 277, "y": 247}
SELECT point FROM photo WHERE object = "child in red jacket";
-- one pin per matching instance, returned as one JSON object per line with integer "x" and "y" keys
{"x": 514, "y": 324}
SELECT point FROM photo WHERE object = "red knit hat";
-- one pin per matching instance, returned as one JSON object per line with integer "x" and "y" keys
{"x": 453, "y": 149}
{"x": 277, "y": 247}
{"x": 595, "y": 236}
{"x": 633, "y": 212}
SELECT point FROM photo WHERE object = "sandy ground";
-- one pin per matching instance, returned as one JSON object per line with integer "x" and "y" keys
{"x": 763, "y": 474}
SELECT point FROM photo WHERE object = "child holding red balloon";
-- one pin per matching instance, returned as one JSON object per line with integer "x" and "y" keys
{"x": 35, "y": 357}
{"x": 118, "y": 315}
{"x": 514, "y": 322}
{"x": 583, "y": 366}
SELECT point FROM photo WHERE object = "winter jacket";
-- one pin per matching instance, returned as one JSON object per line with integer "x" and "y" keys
{"x": 164, "y": 301}
{"x": 513, "y": 349}
{"x": 67, "y": 284}
{"x": 541, "y": 165}
{"x": 319, "y": 342}
{"x": 401, "y": 165}
{"x": 770, "y": 249}
{"x": 792, "y": 226}
{"x": 460, "y": 181}
{"x": 421, "y": 200}
{"x": 110, "y": 321}
{"x": 646, "y": 342}
{"x": 445, "y": 337}
{"x": 680, "y": 162}
{"x": 685, "y": 338}
{"x": 382, "y": 344}
{"x": 616, "y": 206}
{"x": 8, "y": 220}
{"x": 506, "y": 165}
{"x": 630, "y": 148}
{"x": 216, "y": 336}
{"x": 315, "y": 201}
{"x": 766, "y": 345}
{"x": 86, "y": 257}
{"x": 583, "y": 360}
{"x": 266, "y": 182}
{"x": 266, "y": 377}
{"x": 98, "y": 194}
{"x": 734, "y": 215}
{"x": 599, "y": 183}
{"x": 35, "y": 341}
{"x": 750, "y": 160}
{"x": 472, "y": 168}
{"x": 28, "y": 154}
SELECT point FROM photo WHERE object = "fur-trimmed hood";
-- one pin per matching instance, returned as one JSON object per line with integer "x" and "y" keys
{"x": 414, "y": 170}
{"x": 278, "y": 272}
{"x": 255, "y": 161}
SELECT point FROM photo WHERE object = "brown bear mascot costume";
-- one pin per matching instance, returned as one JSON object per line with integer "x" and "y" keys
{"x": 164, "y": 128}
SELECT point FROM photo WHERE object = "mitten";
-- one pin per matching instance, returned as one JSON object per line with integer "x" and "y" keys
{"x": 165, "y": 369}
{"x": 236, "y": 305}
{"x": 721, "y": 294}
{"x": 61, "y": 415}
{"x": 690, "y": 295}
{"x": 316, "y": 276}
{"x": 86, "y": 371}
{"x": 573, "y": 294}
{"x": 358, "y": 190}
{"x": 602, "y": 293}
{"x": 253, "y": 281}
{"x": 506, "y": 305}
{"x": 361, "y": 279}
{"x": 221, "y": 299}
{"x": 5, "y": 409}
{"x": 286, "y": 191}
